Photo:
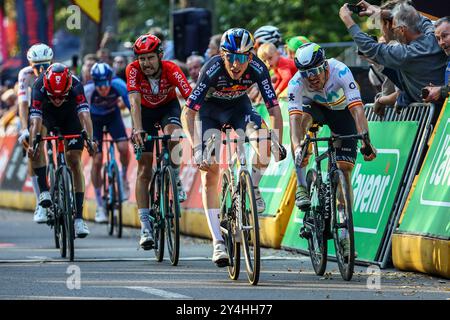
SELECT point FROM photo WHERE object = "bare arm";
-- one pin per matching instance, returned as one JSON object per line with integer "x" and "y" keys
{"x": 188, "y": 121}
{"x": 23, "y": 114}
{"x": 135, "y": 103}
{"x": 360, "y": 119}
{"x": 86, "y": 122}
{"x": 276, "y": 121}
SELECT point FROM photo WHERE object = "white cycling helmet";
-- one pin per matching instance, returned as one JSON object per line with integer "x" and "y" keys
{"x": 40, "y": 53}
{"x": 267, "y": 34}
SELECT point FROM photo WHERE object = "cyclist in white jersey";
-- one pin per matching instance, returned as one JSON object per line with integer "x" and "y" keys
{"x": 40, "y": 57}
{"x": 324, "y": 91}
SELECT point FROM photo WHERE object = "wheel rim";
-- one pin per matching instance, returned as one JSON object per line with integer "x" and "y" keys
{"x": 171, "y": 207}
{"x": 250, "y": 232}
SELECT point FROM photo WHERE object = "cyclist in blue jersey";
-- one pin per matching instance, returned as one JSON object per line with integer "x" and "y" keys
{"x": 220, "y": 98}
{"x": 103, "y": 95}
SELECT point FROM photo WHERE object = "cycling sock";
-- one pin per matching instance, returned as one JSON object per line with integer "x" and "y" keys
{"x": 98, "y": 197}
{"x": 144, "y": 215}
{"x": 214, "y": 224}
{"x": 256, "y": 176}
{"x": 79, "y": 199}
{"x": 301, "y": 176}
{"x": 41, "y": 174}
{"x": 34, "y": 182}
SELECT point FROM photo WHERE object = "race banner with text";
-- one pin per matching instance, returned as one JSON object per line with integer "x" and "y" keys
{"x": 375, "y": 186}
{"x": 428, "y": 211}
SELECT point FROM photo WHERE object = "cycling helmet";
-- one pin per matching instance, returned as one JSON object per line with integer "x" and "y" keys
{"x": 40, "y": 53}
{"x": 237, "y": 40}
{"x": 270, "y": 34}
{"x": 101, "y": 73}
{"x": 296, "y": 42}
{"x": 57, "y": 80}
{"x": 147, "y": 43}
{"x": 308, "y": 56}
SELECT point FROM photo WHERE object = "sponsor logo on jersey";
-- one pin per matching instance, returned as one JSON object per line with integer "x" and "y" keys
{"x": 183, "y": 84}
{"x": 213, "y": 69}
{"x": 268, "y": 89}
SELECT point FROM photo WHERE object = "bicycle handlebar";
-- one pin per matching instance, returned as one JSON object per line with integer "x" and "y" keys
{"x": 83, "y": 135}
{"x": 165, "y": 137}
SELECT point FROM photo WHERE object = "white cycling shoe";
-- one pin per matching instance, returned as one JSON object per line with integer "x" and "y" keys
{"x": 45, "y": 199}
{"x": 81, "y": 228}
{"x": 260, "y": 203}
{"x": 146, "y": 241}
{"x": 40, "y": 215}
{"x": 220, "y": 256}
{"x": 100, "y": 215}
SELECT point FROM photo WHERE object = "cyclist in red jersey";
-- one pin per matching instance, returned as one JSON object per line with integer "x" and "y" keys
{"x": 151, "y": 85}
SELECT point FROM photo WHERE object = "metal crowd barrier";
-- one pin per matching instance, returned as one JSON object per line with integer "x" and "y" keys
{"x": 422, "y": 113}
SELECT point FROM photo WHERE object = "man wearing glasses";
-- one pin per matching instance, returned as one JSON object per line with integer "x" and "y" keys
{"x": 40, "y": 57}
{"x": 220, "y": 98}
{"x": 324, "y": 91}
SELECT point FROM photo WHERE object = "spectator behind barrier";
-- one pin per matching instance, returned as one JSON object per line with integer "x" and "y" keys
{"x": 442, "y": 33}
{"x": 213, "y": 46}
{"x": 292, "y": 44}
{"x": 194, "y": 63}
{"x": 119, "y": 66}
{"x": 104, "y": 55}
{"x": 88, "y": 61}
{"x": 283, "y": 68}
{"x": 412, "y": 65}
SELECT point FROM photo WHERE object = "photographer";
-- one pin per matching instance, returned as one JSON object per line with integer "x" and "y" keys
{"x": 435, "y": 93}
{"x": 412, "y": 65}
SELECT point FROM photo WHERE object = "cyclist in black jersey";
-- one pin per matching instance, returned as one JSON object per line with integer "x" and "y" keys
{"x": 220, "y": 98}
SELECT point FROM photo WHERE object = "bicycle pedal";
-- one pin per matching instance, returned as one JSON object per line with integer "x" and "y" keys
{"x": 304, "y": 233}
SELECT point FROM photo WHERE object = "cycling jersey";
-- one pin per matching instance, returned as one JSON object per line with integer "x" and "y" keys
{"x": 155, "y": 93}
{"x": 340, "y": 90}
{"x": 42, "y": 105}
{"x": 26, "y": 79}
{"x": 214, "y": 84}
{"x": 101, "y": 106}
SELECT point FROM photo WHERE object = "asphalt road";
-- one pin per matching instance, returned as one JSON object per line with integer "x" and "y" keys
{"x": 109, "y": 268}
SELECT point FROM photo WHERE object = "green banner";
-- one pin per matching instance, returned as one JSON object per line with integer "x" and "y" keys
{"x": 276, "y": 178}
{"x": 375, "y": 186}
{"x": 428, "y": 212}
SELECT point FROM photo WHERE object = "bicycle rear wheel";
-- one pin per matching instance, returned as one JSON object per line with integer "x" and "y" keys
{"x": 52, "y": 209}
{"x": 158, "y": 220}
{"x": 228, "y": 227}
{"x": 314, "y": 221}
{"x": 342, "y": 225}
{"x": 250, "y": 227}
{"x": 69, "y": 211}
{"x": 171, "y": 212}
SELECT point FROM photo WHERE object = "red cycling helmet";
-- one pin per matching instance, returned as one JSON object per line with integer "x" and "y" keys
{"x": 147, "y": 43}
{"x": 57, "y": 80}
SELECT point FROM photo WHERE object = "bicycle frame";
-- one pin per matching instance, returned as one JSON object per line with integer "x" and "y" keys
{"x": 110, "y": 156}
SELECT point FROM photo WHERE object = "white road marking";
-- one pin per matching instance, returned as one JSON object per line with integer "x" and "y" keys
{"x": 160, "y": 293}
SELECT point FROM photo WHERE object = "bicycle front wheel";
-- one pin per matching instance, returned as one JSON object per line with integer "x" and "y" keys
{"x": 228, "y": 226}
{"x": 115, "y": 186}
{"x": 250, "y": 227}
{"x": 314, "y": 222}
{"x": 67, "y": 207}
{"x": 156, "y": 215}
{"x": 171, "y": 211}
{"x": 107, "y": 201}
{"x": 342, "y": 225}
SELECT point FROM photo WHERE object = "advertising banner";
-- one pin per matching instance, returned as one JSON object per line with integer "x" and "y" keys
{"x": 428, "y": 211}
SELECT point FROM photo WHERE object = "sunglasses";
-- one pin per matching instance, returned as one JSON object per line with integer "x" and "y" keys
{"x": 57, "y": 97}
{"x": 241, "y": 57}
{"x": 102, "y": 83}
{"x": 41, "y": 67}
{"x": 312, "y": 71}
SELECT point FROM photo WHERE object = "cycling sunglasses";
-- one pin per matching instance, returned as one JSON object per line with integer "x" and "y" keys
{"x": 241, "y": 57}
{"x": 40, "y": 67}
{"x": 312, "y": 71}
{"x": 59, "y": 96}
{"x": 102, "y": 83}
